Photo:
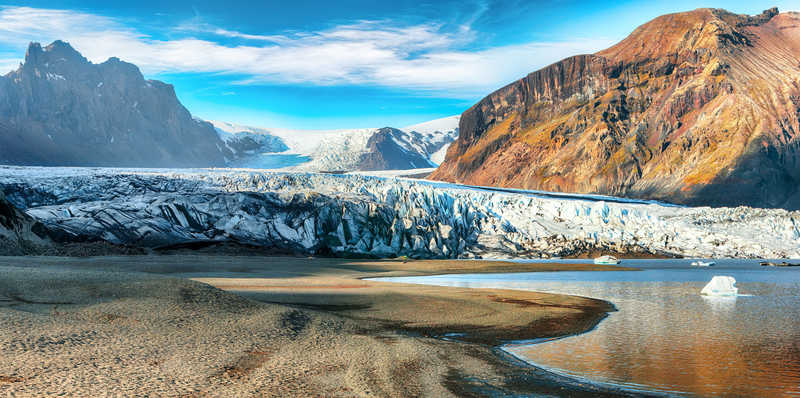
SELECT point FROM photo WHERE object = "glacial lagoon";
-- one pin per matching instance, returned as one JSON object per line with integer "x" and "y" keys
{"x": 665, "y": 336}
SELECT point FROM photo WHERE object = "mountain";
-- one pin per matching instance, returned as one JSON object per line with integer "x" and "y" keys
{"x": 244, "y": 142}
{"x": 439, "y": 134}
{"x": 60, "y": 109}
{"x": 413, "y": 147}
{"x": 695, "y": 108}
{"x": 385, "y": 151}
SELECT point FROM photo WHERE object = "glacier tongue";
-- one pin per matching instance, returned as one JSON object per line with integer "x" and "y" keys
{"x": 356, "y": 214}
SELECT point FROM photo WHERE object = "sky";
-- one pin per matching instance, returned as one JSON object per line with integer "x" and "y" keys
{"x": 323, "y": 64}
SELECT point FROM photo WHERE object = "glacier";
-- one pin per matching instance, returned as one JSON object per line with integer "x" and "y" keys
{"x": 328, "y": 150}
{"x": 351, "y": 214}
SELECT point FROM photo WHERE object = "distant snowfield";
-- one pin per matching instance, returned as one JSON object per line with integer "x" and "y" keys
{"x": 382, "y": 216}
{"x": 336, "y": 150}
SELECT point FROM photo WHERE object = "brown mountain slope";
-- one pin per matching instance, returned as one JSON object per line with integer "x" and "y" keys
{"x": 698, "y": 108}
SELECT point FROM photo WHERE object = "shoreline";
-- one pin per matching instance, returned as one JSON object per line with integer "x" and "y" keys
{"x": 381, "y": 323}
{"x": 577, "y": 380}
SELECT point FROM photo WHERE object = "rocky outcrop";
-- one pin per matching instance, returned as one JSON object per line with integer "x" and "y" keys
{"x": 365, "y": 216}
{"x": 60, "y": 109}
{"x": 695, "y": 108}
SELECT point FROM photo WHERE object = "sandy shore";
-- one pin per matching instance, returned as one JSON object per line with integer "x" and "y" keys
{"x": 221, "y": 326}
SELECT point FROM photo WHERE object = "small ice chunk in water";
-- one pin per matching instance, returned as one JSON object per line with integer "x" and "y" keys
{"x": 721, "y": 286}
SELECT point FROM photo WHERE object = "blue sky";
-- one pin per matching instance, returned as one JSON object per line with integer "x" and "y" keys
{"x": 320, "y": 64}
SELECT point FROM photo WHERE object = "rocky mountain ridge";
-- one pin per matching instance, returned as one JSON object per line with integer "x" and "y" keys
{"x": 60, "y": 109}
{"x": 697, "y": 108}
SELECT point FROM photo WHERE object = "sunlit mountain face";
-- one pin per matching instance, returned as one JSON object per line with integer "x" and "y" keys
{"x": 697, "y": 107}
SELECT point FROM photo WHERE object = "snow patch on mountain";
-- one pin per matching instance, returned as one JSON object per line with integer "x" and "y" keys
{"x": 439, "y": 133}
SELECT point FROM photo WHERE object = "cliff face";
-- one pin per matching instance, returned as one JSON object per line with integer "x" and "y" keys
{"x": 698, "y": 108}
{"x": 60, "y": 109}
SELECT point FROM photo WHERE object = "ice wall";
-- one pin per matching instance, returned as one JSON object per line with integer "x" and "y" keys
{"x": 382, "y": 217}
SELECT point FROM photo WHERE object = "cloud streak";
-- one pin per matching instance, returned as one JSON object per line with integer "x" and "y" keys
{"x": 421, "y": 58}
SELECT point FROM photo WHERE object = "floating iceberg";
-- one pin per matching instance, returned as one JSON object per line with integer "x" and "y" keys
{"x": 606, "y": 260}
{"x": 721, "y": 286}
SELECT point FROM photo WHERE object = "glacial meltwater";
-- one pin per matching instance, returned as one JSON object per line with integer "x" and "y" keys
{"x": 665, "y": 336}
{"x": 270, "y": 161}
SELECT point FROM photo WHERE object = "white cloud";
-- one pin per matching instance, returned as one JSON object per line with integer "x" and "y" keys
{"x": 8, "y": 64}
{"x": 420, "y": 57}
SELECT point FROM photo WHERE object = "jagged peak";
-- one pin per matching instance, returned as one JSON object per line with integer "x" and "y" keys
{"x": 56, "y": 50}
{"x": 740, "y": 20}
{"x": 62, "y": 49}
{"x": 128, "y": 68}
{"x": 59, "y": 45}
{"x": 34, "y": 49}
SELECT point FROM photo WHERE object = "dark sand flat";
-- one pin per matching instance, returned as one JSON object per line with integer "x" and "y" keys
{"x": 221, "y": 326}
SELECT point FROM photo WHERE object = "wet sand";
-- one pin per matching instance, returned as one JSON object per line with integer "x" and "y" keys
{"x": 196, "y": 326}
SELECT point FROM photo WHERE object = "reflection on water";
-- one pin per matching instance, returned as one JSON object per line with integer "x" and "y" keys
{"x": 668, "y": 337}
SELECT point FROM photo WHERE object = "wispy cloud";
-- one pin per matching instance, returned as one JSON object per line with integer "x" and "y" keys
{"x": 421, "y": 57}
{"x": 7, "y": 64}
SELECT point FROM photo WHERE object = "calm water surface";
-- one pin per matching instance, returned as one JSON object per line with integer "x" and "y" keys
{"x": 666, "y": 336}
